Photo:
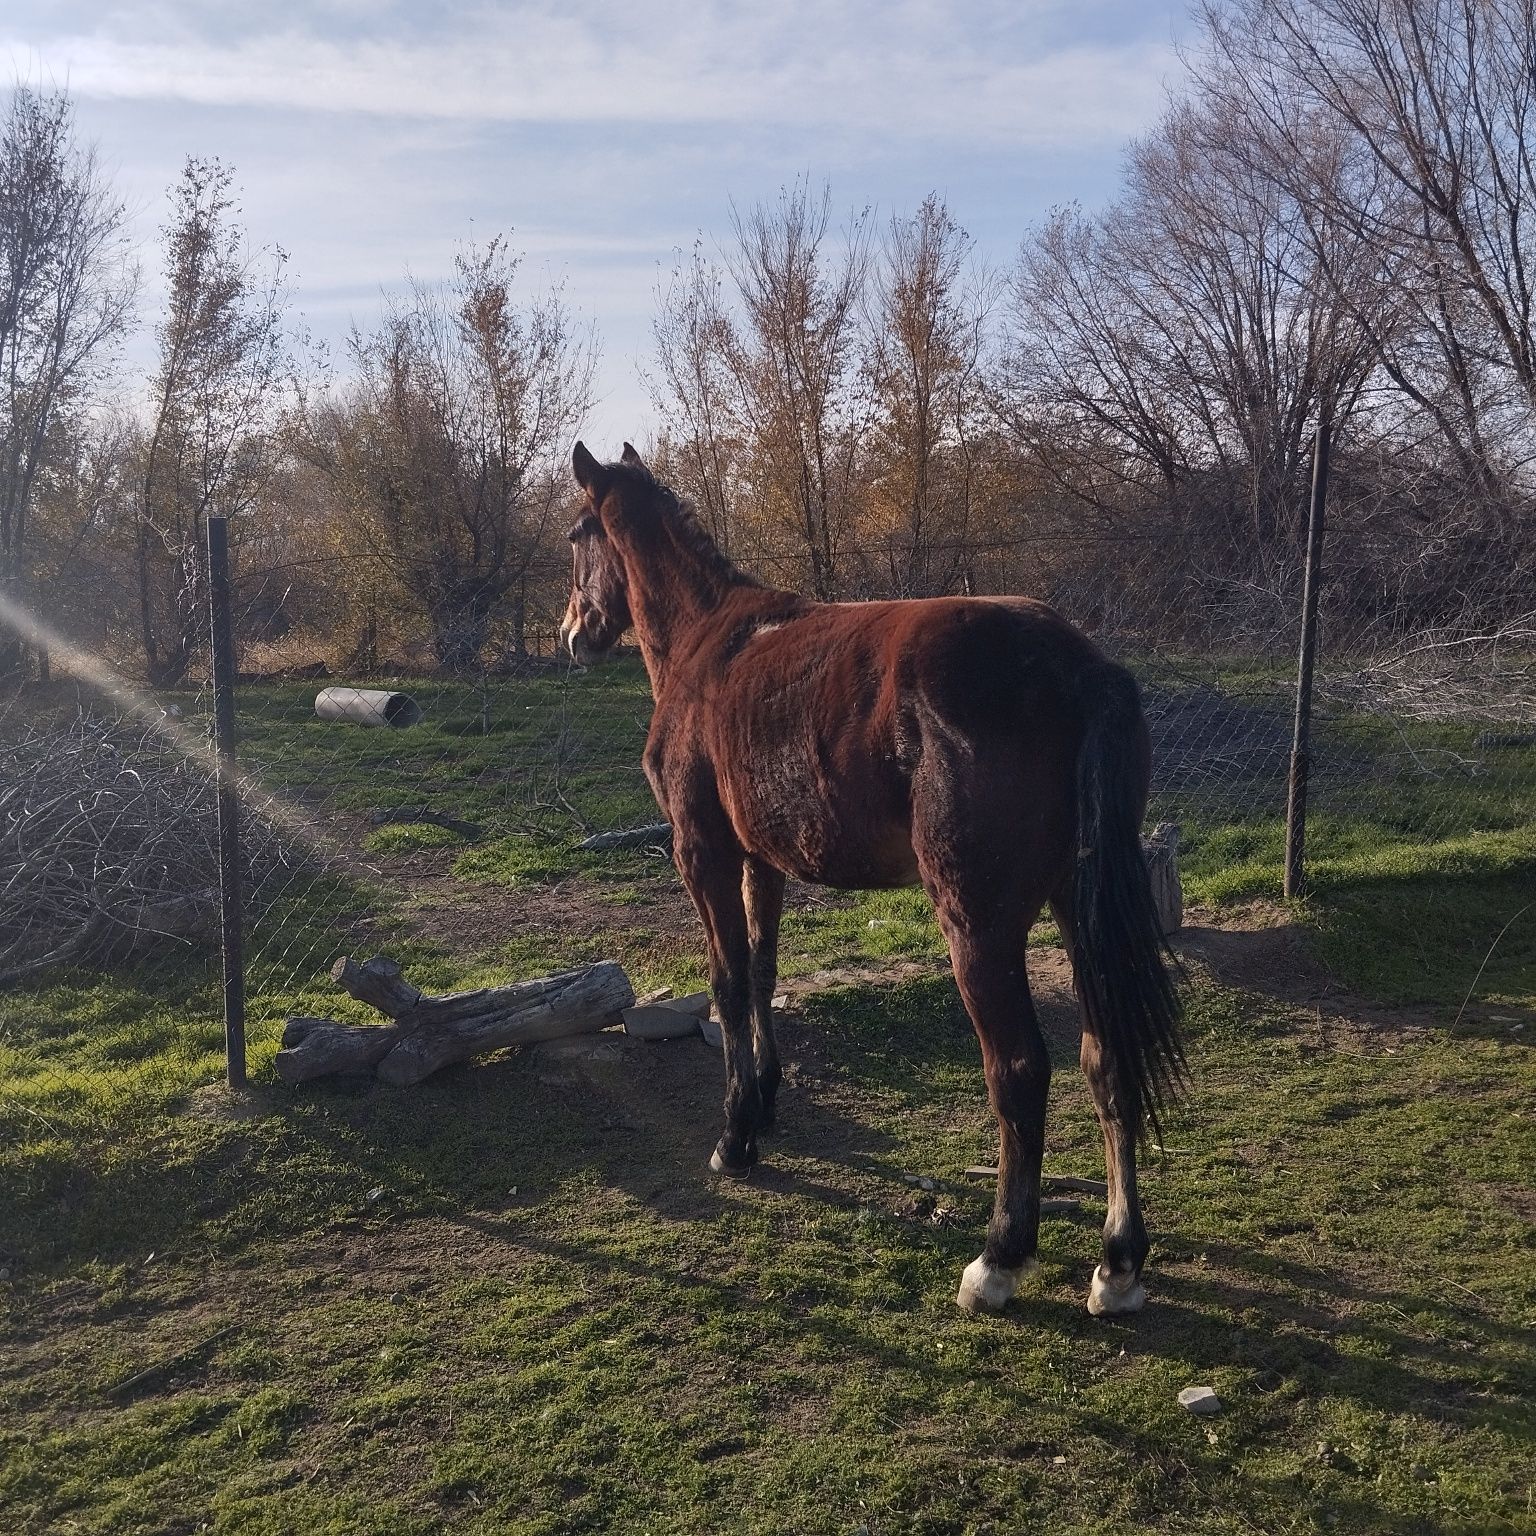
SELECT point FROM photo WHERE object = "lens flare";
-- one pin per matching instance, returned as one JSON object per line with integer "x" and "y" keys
{"x": 191, "y": 742}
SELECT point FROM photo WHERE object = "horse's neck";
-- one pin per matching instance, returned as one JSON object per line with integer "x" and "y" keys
{"x": 672, "y": 591}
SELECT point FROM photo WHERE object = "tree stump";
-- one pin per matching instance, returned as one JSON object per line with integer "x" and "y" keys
{"x": 429, "y": 1032}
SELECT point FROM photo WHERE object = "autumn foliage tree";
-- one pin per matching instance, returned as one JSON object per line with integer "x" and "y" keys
{"x": 447, "y": 454}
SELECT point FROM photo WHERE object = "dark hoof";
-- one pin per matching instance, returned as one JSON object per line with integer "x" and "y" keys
{"x": 731, "y": 1167}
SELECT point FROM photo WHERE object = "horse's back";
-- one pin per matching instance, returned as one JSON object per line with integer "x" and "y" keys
{"x": 832, "y": 730}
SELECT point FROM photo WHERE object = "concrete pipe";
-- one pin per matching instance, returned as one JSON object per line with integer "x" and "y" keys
{"x": 367, "y": 706}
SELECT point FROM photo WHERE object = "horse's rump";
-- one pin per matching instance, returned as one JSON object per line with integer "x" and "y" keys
{"x": 821, "y": 721}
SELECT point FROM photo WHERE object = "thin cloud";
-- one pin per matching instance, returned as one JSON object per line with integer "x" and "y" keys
{"x": 906, "y": 72}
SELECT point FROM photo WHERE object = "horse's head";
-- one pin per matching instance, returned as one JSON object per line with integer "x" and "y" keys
{"x": 598, "y": 612}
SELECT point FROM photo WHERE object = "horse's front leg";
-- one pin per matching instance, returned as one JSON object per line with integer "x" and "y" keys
{"x": 713, "y": 876}
{"x": 762, "y": 889}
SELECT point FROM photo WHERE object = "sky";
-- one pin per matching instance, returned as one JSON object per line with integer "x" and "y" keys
{"x": 371, "y": 139}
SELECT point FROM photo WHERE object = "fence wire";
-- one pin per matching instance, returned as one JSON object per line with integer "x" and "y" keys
{"x": 447, "y": 831}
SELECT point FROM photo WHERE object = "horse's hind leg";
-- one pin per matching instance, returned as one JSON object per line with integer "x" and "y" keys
{"x": 1116, "y": 1286}
{"x": 762, "y": 889}
{"x": 989, "y": 969}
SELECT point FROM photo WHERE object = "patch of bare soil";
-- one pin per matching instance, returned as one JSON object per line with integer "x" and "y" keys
{"x": 473, "y": 919}
{"x": 1259, "y": 948}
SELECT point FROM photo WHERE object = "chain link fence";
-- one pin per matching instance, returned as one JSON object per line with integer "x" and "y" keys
{"x": 446, "y": 830}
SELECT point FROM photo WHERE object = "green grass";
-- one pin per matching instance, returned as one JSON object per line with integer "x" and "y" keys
{"x": 512, "y": 1299}
{"x": 489, "y": 1304}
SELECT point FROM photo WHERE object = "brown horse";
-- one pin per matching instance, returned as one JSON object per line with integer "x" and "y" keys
{"x": 980, "y": 746}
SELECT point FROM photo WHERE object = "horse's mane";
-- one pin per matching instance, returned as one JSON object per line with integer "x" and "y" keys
{"x": 689, "y": 530}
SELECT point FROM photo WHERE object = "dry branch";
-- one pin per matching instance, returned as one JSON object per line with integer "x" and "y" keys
{"x": 470, "y": 831}
{"x": 107, "y": 838}
{"x": 429, "y": 1032}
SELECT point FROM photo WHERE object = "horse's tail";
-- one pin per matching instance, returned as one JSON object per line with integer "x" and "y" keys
{"x": 1119, "y": 951}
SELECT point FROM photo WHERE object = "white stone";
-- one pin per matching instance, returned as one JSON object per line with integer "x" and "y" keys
{"x": 1200, "y": 1400}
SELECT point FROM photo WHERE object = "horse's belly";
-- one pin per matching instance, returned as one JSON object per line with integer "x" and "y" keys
{"x": 854, "y": 843}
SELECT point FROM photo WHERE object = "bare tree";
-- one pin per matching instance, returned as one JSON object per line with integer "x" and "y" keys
{"x": 696, "y": 393}
{"x": 759, "y": 381}
{"x": 210, "y": 440}
{"x": 1189, "y": 332}
{"x": 794, "y": 365}
{"x": 1434, "y": 102}
{"x": 451, "y": 452}
{"x": 926, "y": 338}
{"x": 66, "y": 294}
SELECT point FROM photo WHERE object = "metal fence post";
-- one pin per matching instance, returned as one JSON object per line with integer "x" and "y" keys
{"x": 1301, "y": 738}
{"x": 230, "y": 907}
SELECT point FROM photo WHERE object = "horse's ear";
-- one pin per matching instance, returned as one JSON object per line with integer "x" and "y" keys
{"x": 590, "y": 475}
{"x": 630, "y": 457}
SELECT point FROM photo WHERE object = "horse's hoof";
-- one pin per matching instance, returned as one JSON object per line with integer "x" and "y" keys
{"x": 987, "y": 1287}
{"x": 1117, "y": 1294}
{"x": 729, "y": 1169}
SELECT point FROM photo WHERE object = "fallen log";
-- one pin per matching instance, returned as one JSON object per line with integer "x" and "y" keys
{"x": 429, "y": 1032}
{"x": 658, "y": 835}
{"x": 389, "y": 816}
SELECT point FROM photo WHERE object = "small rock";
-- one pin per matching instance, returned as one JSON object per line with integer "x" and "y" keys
{"x": 376, "y": 1193}
{"x": 696, "y": 1003}
{"x": 713, "y": 1034}
{"x": 1199, "y": 1400}
{"x": 879, "y": 922}
{"x": 780, "y": 1001}
{"x": 926, "y": 1184}
{"x": 657, "y": 1021}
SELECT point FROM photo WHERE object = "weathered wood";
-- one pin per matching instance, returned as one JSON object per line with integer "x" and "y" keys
{"x": 430, "y": 1032}
{"x": 1071, "y": 1181}
{"x": 1162, "y": 855}
{"x": 1047, "y": 1181}
{"x": 389, "y": 816}
{"x": 378, "y": 983}
{"x": 322, "y": 1048}
{"x": 658, "y": 835}
{"x": 571, "y": 1003}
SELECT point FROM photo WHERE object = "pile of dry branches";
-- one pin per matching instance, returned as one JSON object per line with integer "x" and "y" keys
{"x": 1449, "y": 674}
{"x": 108, "y": 836}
